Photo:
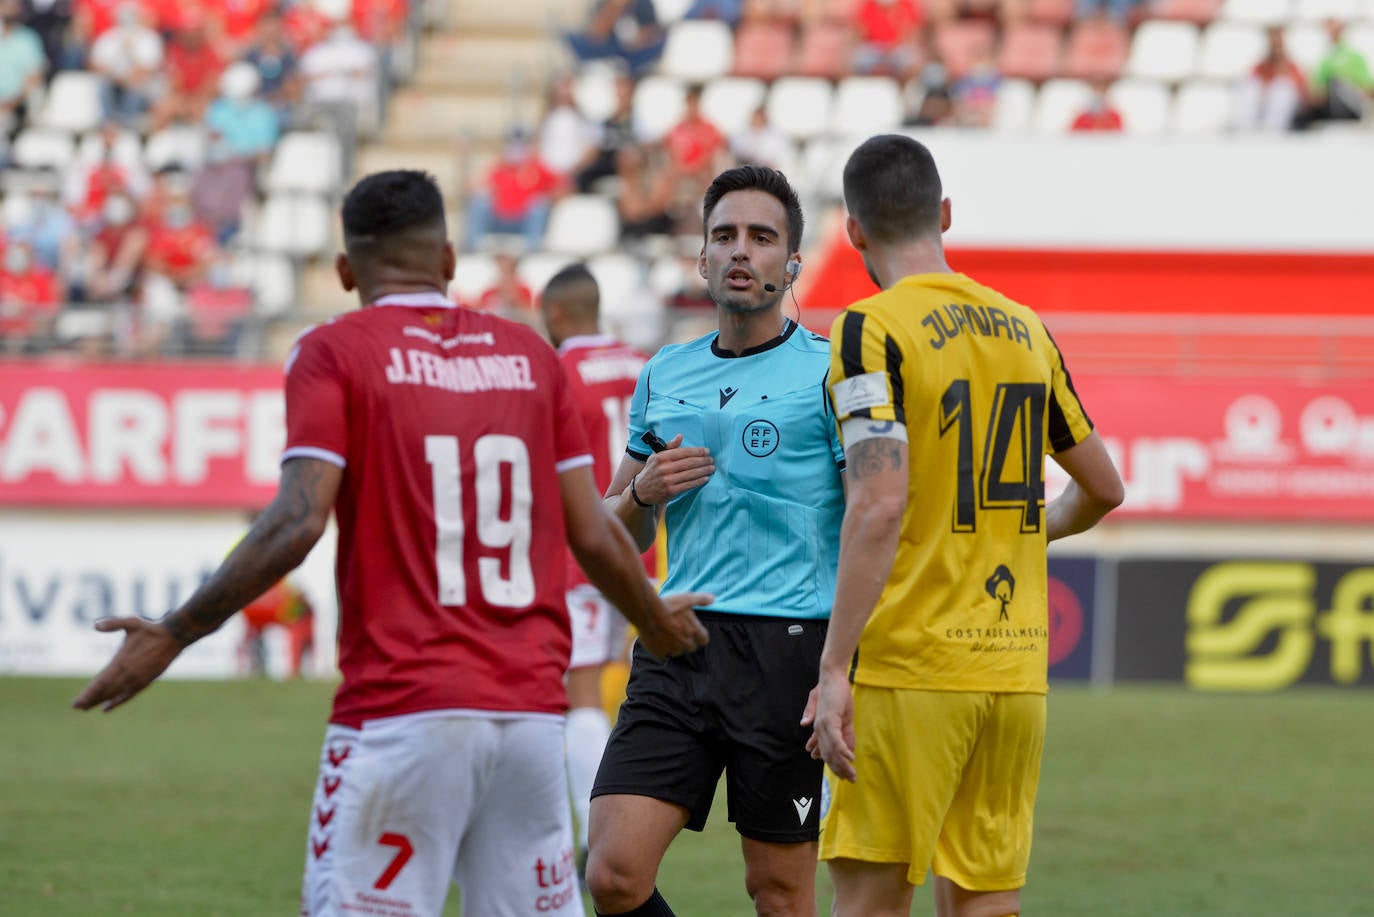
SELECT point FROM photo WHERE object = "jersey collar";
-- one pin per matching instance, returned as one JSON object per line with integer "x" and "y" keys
{"x": 427, "y": 300}
{"x": 758, "y": 348}
{"x": 586, "y": 340}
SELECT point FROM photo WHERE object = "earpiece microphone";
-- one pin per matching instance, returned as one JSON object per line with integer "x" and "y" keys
{"x": 792, "y": 270}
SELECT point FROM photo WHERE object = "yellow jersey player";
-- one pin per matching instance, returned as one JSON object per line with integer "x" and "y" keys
{"x": 930, "y": 707}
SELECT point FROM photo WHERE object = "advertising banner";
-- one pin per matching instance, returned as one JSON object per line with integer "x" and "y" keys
{"x": 1073, "y": 607}
{"x": 157, "y": 434}
{"x": 1245, "y": 625}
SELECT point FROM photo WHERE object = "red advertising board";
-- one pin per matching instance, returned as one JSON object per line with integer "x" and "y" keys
{"x": 156, "y": 434}
{"x": 1237, "y": 448}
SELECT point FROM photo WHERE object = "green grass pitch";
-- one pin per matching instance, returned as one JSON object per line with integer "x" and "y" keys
{"x": 1154, "y": 802}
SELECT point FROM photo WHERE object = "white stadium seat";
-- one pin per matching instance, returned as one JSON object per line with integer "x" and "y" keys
{"x": 659, "y": 103}
{"x": 866, "y": 105}
{"x": 1014, "y": 107}
{"x": 1321, "y": 10}
{"x": 620, "y": 279}
{"x": 177, "y": 145}
{"x": 1307, "y": 43}
{"x": 295, "y": 225}
{"x": 473, "y": 276}
{"x": 43, "y": 148}
{"x": 729, "y": 101}
{"x": 535, "y": 269}
{"x": 1202, "y": 107}
{"x": 582, "y": 225}
{"x": 73, "y": 102}
{"x": 306, "y": 161}
{"x": 594, "y": 92}
{"x": 1163, "y": 51}
{"x": 1231, "y": 49}
{"x": 698, "y": 50}
{"x": 272, "y": 278}
{"x": 799, "y": 106}
{"x": 1058, "y": 103}
{"x": 1361, "y": 38}
{"x": 1263, "y": 12}
{"x": 1143, "y": 104}
{"x": 128, "y": 149}
{"x": 671, "y": 11}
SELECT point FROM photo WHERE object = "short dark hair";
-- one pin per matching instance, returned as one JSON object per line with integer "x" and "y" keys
{"x": 757, "y": 178}
{"x": 891, "y": 186}
{"x": 575, "y": 289}
{"x": 387, "y": 203}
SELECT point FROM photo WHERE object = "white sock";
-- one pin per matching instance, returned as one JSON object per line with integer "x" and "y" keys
{"x": 584, "y": 739}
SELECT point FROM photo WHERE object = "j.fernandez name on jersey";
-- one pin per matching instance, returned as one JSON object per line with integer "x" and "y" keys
{"x": 460, "y": 374}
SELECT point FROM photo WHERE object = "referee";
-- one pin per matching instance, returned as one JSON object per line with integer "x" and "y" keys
{"x": 733, "y": 442}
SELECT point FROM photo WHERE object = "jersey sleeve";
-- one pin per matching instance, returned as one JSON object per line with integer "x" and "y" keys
{"x": 570, "y": 439}
{"x": 1069, "y": 423}
{"x": 316, "y": 402}
{"x": 639, "y": 422}
{"x": 865, "y": 370}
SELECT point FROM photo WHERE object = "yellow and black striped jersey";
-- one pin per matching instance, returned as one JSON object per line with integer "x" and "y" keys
{"x": 984, "y": 395}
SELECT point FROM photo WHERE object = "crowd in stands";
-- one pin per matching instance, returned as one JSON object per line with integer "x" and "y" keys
{"x": 135, "y": 137}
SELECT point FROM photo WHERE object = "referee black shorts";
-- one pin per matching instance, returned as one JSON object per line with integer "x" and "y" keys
{"x": 732, "y": 706}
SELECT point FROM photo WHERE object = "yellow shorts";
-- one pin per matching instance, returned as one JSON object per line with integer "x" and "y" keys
{"x": 946, "y": 781}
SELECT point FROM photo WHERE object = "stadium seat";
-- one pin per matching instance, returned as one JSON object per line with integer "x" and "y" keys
{"x": 536, "y": 268}
{"x": 43, "y": 148}
{"x": 799, "y": 106}
{"x": 306, "y": 161}
{"x": 821, "y": 169}
{"x": 667, "y": 275}
{"x": 1143, "y": 104}
{"x": 1361, "y": 38}
{"x": 1322, "y": 10}
{"x": 824, "y": 51}
{"x": 1059, "y": 101}
{"x": 128, "y": 149}
{"x": 621, "y": 280}
{"x": 1015, "y": 105}
{"x": 1202, "y": 107}
{"x": 295, "y": 225}
{"x": 728, "y": 102}
{"x": 960, "y": 43}
{"x": 1230, "y": 49}
{"x": 73, "y": 102}
{"x": 16, "y": 209}
{"x": 1051, "y": 12}
{"x": 670, "y": 11}
{"x": 473, "y": 275}
{"x": 1029, "y": 52}
{"x": 177, "y": 145}
{"x": 763, "y": 50}
{"x": 1163, "y": 51}
{"x": 866, "y": 105}
{"x": 1260, "y": 12}
{"x": 1198, "y": 12}
{"x": 271, "y": 277}
{"x": 594, "y": 92}
{"x": 582, "y": 225}
{"x": 659, "y": 103}
{"x": 1307, "y": 43}
{"x": 1097, "y": 50}
{"x": 698, "y": 50}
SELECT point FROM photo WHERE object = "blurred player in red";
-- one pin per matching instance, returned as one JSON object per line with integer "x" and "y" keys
{"x": 284, "y": 606}
{"x": 601, "y": 374}
{"x": 446, "y": 444}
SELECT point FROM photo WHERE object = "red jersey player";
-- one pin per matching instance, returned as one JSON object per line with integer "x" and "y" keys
{"x": 601, "y": 374}
{"x": 446, "y": 443}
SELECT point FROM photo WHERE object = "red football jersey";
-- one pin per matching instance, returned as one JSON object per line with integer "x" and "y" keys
{"x": 602, "y": 374}
{"x": 452, "y": 427}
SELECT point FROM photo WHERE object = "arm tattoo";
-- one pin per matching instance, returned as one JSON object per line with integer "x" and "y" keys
{"x": 276, "y": 544}
{"x": 871, "y": 456}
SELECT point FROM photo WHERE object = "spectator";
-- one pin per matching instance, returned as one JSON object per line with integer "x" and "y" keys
{"x": 305, "y": 22}
{"x": 1270, "y": 98}
{"x": 51, "y": 21}
{"x": 193, "y": 70}
{"x": 114, "y": 257}
{"x": 237, "y": 24}
{"x": 627, "y": 30}
{"x": 341, "y": 74}
{"x": 180, "y": 252}
{"x": 508, "y": 296}
{"x": 276, "y": 63}
{"x": 247, "y": 125}
{"x": 1341, "y": 84}
{"x": 22, "y": 64}
{"x": 567, "y": 140}
{"x": 30, "y": 294}
{"x": 644, "y": 195}
{"x": 935, "y": 109}
{"x": 89, "y": 182}
{"x": 1098, "y": 115}
{"x": 615, "y": 132}
{"x": 48, "y": 229}
{"x": 975, "y": 93}
{"x": 761, "y": 144}
{"x": 218, "y": 309}
{"x": 129, "y": 56}
{"x": 515, "y": 196}
{"x": 1119, "y": 11}
{"x": 694, "y": 145}
{"x": 888, "y": 35}
{"x": 727, "y": 11}
{"x": 221, "y": 188}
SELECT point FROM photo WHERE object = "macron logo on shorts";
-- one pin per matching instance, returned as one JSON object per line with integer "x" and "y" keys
{"x": 803, "y": 808}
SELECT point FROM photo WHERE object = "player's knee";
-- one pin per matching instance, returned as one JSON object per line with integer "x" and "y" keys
{"x": 777, "y": 895}
{"x": 614, "y": 886}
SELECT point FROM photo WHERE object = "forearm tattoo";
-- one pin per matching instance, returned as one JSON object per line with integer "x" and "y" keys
{"x": 871, "y": 456}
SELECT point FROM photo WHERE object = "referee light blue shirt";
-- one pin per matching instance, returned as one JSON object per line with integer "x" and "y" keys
{"x": 763, "y": 534}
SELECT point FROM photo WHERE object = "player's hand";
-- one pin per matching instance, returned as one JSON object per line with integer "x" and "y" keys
{"x": 676, "y": 629}
{"x": 147, "y": 650}
{"x": 830, "y": 714}
{"x": 674, "y": 470}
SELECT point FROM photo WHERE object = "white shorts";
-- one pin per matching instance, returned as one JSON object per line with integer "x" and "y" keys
{"x": 598, "y": 628}
{"x": 410, "y": 803}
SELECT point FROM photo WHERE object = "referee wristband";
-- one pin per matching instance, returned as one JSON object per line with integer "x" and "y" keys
{"x": 634, "y": 494}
